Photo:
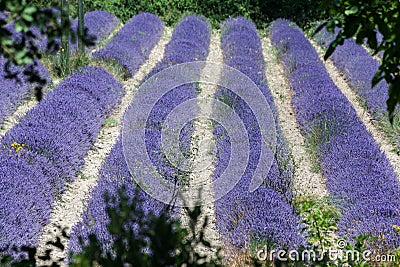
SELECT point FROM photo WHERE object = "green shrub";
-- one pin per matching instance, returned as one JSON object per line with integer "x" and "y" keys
{"x": 170, "y": 244}
{"x": 261, "y": 12}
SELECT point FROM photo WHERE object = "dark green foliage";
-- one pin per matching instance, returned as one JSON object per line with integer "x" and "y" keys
{"x": 170, "y": 11}
{"x": 65, "y": 23}
{"x": 18, "y": 41}
{"x": 81, "y": 31}
{"x": 320, "y": 217}
{"x": 46, "y": 3}
{"x": 23, "y": 50}
{"x": 73, "y": 8}
{"x": 361, "y": 19}
{"x": 153, "y": 241}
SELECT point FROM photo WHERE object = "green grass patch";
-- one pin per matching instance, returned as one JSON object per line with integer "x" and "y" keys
{"x": 319, "y": 134}
{"x": 392, "y": 131}
{"x": 54, "y": 64}
{"x": 110, "y": 122}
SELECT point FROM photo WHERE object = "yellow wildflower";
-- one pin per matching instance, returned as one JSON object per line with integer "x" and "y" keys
{"x": 17, "y": 146}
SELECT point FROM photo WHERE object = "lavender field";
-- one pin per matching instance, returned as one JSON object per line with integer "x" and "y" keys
{"x": 326, "y": 170}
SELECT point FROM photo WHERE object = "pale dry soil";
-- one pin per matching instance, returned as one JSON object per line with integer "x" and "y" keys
{"x": 305, "y": 181}
{"x": 203, "y": 160}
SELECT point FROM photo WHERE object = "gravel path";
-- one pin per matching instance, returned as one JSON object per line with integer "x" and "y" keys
{"x": 68, "y": 209}
{"x": 305, "y": 182}
{"x": 21, "y": 111}
{"x": 103, "y": 42}
{"x": 362, "y": 113}
{"x": 203, "y": 140}
{"x": 370, "y": 51}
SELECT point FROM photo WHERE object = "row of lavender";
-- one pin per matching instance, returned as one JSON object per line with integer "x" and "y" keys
{"x": 49, "y": 144}
{"x": 265, "y": 214}
{"x": 14, "y": 91}
{"x": 189, "y": 42}
{"x": 133, "y": 43}
{"x": 358, "y": 174}
{"x": 359, "y": 67}
{"x": 99, "y": 25}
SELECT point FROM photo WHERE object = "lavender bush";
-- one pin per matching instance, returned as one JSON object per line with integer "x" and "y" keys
{"x": 133, "y": 43}
{"x": 42, "y": 42}
{"x": 359, "y": 67}
{"x": 26, "y": 197}
{"x": 113, "y": 175}
{"x": 50, "y": 143}
{"x": 16, "y": 86}
{"x": 265, "y": 215}
{"x": 358, "y": 175}
{"x": 99, "y": 25}
{"x": 115, "y": 172}
{"x": 13, "y": 92}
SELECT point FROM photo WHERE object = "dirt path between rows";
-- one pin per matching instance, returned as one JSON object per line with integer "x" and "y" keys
{"x": 204, "y": 160}
{"x": 68, "y": 209}
{"x": 20, "y": 112}
{"x": 305, "y": 181}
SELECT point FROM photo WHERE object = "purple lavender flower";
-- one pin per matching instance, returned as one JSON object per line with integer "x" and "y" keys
{"x": 25, "y": 199}
{"x": 189, "y": 28}
{"x": 359, "y": 67}
{"x": 14, "y": 91}
{"x": 113, "y": 175}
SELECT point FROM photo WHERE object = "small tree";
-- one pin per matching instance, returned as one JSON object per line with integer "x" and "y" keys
{"x": 81, "y": 27}
{"x": 65, "y": 37}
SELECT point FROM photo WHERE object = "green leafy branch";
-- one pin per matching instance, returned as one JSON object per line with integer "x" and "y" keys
{"x": 362, "y": 19}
